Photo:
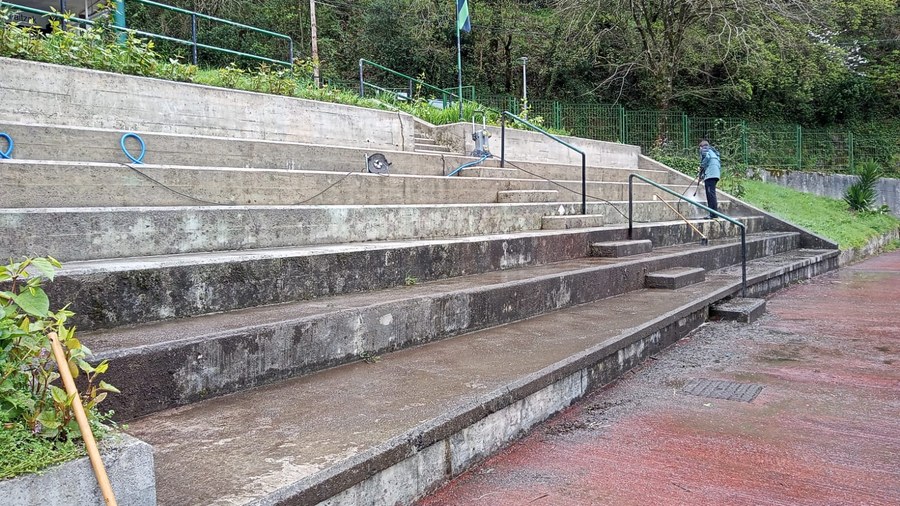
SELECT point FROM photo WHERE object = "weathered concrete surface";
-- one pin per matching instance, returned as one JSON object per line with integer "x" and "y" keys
{"x": 106, "y": 293}
{"x": 834, "y": 186}
{"x": 527, "y": 145}
{"x": 415, "y": 418}
{"x": 616, "y": 249}
{"x": 824, "y": 429}
{"x": 164, "y": 365}
{"x": 86, "y": 233}
{"x": 129, "y": 465}
{"x": 55, "y": 185}
{"x": 69, "y": 96}
{"x": 675, "y": 278}
{"x": 514, "y": 196}
{"x": 740, "y": 309}
{"x": 96, "y": 145}
{"x": 871, "y": 248}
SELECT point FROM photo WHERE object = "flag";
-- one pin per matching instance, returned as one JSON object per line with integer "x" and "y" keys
{"x": 462, "y": 16}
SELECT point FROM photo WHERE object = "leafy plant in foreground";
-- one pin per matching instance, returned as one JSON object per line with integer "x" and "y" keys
{"x": 860, "y": 196}
{"x": 30, "y": 392}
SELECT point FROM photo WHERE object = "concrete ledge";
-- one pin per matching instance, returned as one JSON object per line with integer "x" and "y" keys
{"x": 128, "y": 462}
{"x": 489, "y": 172}
{"x": 673, "y": 279}
{"x": 744, "y": 310}
{"x": 84, "y": 233}
{"x": 618, "y": 249}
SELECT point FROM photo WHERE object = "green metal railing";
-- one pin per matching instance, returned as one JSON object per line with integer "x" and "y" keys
{"x": 507, "y": 114}
{"x": 193, "y": 42}
{"x": 408, "y": 88}
{"x": 712, "y": 212}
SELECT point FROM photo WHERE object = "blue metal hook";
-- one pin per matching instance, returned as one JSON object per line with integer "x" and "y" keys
{"x": 8, "y": 153}
{"x": 140, "y": 157}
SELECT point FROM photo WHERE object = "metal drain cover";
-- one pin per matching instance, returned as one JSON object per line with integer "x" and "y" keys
{"x": 728, "y": 390}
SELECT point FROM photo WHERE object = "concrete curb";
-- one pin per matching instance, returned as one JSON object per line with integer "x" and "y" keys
{"x": 128, "y": 462}
{"x": 874, "y": 246}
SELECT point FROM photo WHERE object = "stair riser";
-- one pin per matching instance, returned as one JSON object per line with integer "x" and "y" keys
{"x": 86, "y": 233}
{"x": 247, "y": 358}
{"x": 103, "y": 299}
{"x": 58, "y": 186}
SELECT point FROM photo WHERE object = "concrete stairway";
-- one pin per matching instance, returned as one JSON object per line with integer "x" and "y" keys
{"x": 290, "y": 330}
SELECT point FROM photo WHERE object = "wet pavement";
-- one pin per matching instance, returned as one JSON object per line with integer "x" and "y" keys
{"x": 823, "y": 430}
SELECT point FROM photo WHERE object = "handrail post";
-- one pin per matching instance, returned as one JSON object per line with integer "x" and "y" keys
{"x": 502, "y": 140}
{"x": 194, "y": 36}
{"x": 630, "y": 200}
{"x": 62, "y": 10}
{"x": 583, "y": 184}
{"x": 743, "y": 261}
{"x": 362, "y": 88}
{"x": 291, "y": 51}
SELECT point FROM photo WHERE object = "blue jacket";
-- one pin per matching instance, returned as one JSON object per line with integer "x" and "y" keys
{"x": 711, "y": 164}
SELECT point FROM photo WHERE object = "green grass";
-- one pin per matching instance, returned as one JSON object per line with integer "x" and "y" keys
{"x": 23, "y": 453}
{"x": 827, "y": 217}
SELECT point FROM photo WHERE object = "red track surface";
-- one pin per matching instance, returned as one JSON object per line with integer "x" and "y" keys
{"x": 824, "y": 430}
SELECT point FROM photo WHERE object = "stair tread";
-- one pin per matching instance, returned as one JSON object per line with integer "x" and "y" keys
{"x": 109, "y": 343}
{"x": 285, "y": 436}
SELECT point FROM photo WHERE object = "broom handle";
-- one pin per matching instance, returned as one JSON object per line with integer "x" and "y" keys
{"x": 89, "y": 443}
{"x": 680, "y": 216}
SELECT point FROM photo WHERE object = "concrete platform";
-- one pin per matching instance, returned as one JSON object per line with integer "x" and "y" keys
{"x": 744, "y": 310}
{"x": 674, "y": 278}
{"x": 413, "y": 419}
{"x": 173, "y": 363}
{"x": 618, "y": 249}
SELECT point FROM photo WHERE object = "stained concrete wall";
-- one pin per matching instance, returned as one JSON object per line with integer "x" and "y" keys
{"x": 67, "y": 96}
{"x": 535, "y": 147}
{"x": 834, "y": 186}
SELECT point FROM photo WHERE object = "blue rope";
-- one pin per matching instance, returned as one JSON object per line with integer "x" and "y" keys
{"x": 6, "y": 155}
{"x": 140, "y": 159}
{"x": 463, "y": 166}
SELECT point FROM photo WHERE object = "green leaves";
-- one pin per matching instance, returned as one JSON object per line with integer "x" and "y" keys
{"x": 33, "y": 301}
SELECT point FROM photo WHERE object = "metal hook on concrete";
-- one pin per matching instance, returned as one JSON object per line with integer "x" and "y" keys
{"x": 140, "y": 158}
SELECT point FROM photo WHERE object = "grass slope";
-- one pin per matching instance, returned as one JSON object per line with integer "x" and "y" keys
{"x": 821, "y": 215}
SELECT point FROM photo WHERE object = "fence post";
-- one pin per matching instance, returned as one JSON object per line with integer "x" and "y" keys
{"x": 799, "y": 147}
{"x": 62, "y": 10}
{"x": 850, "y": 149}
{"x": 194, "y": 37}
{"x": 362, "y": 86}
{"x": 621, "y": 124}
{"x": 557, "y": 115}
{"x": 744, "y": 142}
{"x": 685, "y": 135}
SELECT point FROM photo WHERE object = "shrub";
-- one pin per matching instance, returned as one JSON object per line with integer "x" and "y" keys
{"x": 29, "y": 393}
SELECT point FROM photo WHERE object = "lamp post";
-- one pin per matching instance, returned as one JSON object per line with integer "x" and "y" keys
{"x": 524, "y": 61}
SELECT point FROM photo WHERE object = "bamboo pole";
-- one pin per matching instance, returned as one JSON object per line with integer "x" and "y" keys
{"x": 703, "y": 237}
{"x": 89, "y": 443}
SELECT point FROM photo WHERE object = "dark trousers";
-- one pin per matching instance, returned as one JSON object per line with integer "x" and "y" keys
{"x": 711, "y": 201}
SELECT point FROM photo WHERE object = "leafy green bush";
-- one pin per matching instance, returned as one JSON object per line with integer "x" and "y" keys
{"x": 861, "y": 195}
{"x": 29, "y": 394}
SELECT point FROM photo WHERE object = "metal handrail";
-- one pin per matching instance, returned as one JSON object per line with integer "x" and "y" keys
{"x": 555, "y": 138}
{"x": 193, "y": 42}
{"x": 701, "y": 206}
{"x": 444, "y": 94}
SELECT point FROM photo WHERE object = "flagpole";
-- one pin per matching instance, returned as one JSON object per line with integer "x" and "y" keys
{"x": 459, "y": 64}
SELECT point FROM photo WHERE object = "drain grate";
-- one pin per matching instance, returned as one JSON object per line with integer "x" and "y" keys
{"x": 728, "y": 390}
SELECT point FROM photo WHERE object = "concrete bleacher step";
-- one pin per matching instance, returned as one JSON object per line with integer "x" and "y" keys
{"x": 221, "y": 353}
{"x": 409, "y": 421}
{"x": 489, "y": 172}
{"x": 113, "y": 292}
{"x": 85, "y": 233}
{"x": 616, "y": 249}
{"x": 30, "y": 184}
{"x": 566, "y": 221}
{"x": 519, "y": 196}
{"x": 675, "y": 277}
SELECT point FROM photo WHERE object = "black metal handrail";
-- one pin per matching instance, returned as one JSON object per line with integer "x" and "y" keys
{"x": 548, "y": 134}
{"x": 701, "y": 206}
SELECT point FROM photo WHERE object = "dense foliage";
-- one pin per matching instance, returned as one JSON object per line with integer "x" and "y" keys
{"x": 812, "y": 62}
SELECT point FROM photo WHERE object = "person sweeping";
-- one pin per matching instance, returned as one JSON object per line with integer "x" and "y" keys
{"x": 710, "y": 172}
